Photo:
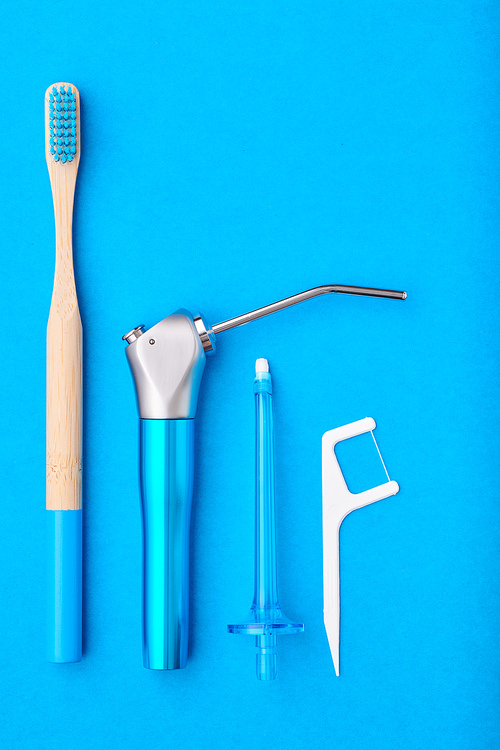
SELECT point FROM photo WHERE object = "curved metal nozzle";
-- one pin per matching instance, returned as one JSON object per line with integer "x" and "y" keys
{"x": 302, "y": 297}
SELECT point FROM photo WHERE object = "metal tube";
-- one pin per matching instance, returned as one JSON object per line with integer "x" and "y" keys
{"x": 302, "y": 297}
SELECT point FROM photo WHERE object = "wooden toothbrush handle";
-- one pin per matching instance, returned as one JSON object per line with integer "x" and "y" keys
{"x": 64, "y": 405}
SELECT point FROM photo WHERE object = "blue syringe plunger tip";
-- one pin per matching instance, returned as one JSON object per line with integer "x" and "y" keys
{"x": 266, "y": 667}
{"x": 266, "y": 656}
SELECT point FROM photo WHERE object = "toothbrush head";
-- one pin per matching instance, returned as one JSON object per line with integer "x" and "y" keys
{"x": 62, "y": 124}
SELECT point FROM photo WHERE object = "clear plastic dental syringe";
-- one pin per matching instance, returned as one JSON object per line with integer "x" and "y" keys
{"x": 266, "y": 619}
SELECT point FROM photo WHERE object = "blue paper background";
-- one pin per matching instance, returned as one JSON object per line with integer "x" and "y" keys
{"x": 233, "y": 154}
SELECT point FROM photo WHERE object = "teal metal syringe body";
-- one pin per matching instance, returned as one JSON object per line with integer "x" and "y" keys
{"x": 266, "y": 618}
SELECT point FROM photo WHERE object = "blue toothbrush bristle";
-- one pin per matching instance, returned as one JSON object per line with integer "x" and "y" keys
{"x": 62, "y": 124}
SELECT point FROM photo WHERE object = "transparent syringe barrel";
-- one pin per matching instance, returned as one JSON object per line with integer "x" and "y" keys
{"x": 266, "y": 589}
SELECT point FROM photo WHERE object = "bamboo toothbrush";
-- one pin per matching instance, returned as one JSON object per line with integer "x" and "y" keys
{"x": 64, "y": 388}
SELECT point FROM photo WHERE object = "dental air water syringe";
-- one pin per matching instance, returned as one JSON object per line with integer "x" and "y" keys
{"x": 167, "y": 363}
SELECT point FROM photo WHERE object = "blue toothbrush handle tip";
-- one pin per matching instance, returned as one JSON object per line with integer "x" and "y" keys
{"x": 64, "y": 586}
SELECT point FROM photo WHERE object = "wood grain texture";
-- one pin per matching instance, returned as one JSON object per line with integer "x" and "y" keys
{"x": 64, "y": 340}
